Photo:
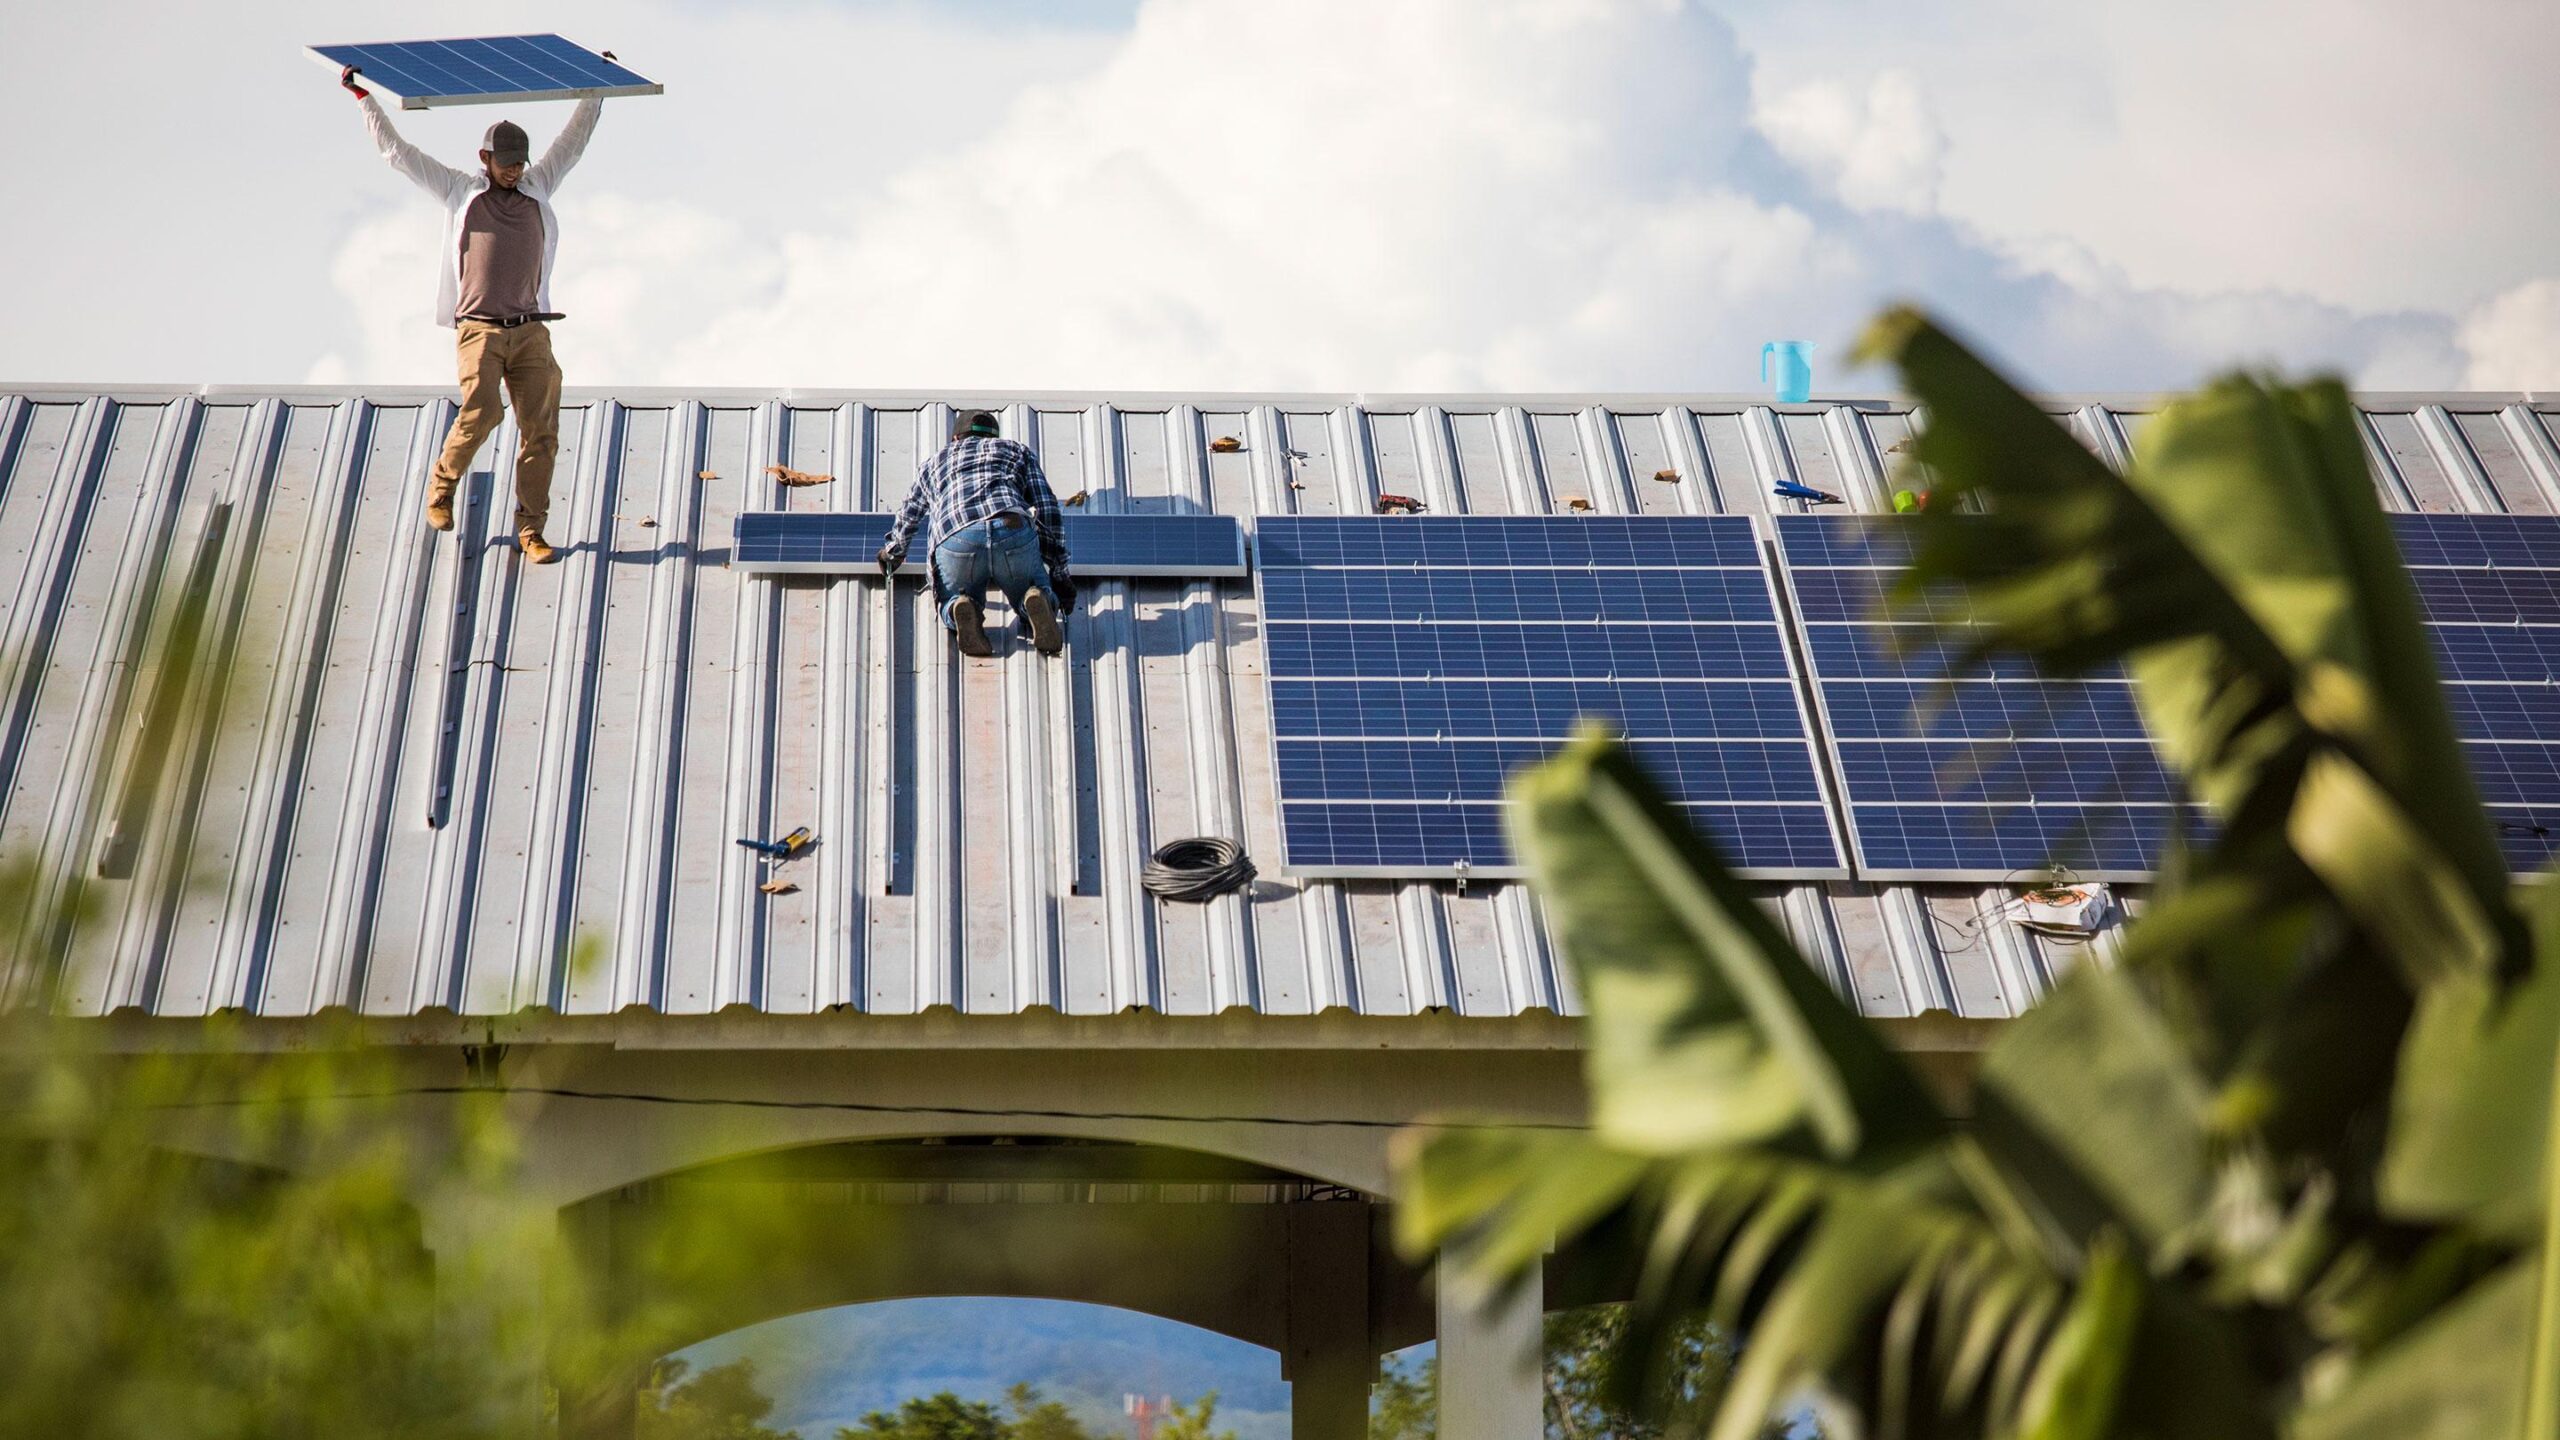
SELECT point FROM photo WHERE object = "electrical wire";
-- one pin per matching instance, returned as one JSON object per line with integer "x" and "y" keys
{"x": 1196, "y": 870}
{"x": 975, "y": 1112}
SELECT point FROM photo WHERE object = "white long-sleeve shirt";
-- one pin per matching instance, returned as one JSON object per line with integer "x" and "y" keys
{"x": 456, "y": 189}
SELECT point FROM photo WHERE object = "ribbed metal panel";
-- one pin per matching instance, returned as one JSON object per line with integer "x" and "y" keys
{"x": 442, "y": 781}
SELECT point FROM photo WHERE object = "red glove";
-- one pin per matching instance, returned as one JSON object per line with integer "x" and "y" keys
{"x": 347, "y": 77}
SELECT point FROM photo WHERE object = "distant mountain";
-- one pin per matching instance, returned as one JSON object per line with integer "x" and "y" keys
{"x": 831, "y": 1367}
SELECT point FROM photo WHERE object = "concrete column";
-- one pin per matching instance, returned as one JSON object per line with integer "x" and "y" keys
{"x": 490, "y": 1307}
{"x": 599, "y": 1399}
{"x": 1491, "y": 1385}
{"x": 1328, "y": 1358}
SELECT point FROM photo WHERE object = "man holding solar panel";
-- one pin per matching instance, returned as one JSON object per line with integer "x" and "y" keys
{"x": 494, "y": 292}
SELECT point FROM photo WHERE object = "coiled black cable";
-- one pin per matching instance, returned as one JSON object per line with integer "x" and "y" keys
{"x": 1197, "y": 870}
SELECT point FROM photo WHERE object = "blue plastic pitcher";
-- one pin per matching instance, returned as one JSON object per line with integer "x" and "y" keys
{"x": 1795, "y": 373}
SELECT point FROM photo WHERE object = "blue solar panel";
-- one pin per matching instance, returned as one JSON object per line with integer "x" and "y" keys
{"x": 1980, "y": 771}
{"x": 1407, "y": 839}
{"x": 1342, "y": 651}
{"x": 484, "y": 70}
{"x": 1414, "y": 663}
{"x": 2490, "y": 587}
{"x": 820, "y": 542}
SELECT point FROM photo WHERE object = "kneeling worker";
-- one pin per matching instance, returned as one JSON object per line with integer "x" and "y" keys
{"x": 990, "y": 516}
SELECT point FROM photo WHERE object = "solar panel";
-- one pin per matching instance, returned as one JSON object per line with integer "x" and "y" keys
{"x": 1983, "y": 776}
{"x": 1415, "y": 662}
{"x": 819, "y": 542}
{"x": 422, "y": 74}
{"x": 2489, "y": 586}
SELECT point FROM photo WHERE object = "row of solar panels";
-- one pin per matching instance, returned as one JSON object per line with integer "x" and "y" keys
{"x": 1414, "y": 662}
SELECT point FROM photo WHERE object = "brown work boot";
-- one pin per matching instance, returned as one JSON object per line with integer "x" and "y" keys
{"x": 970, "y": 628}
{"x": 440, "y": 509}
{"x": 537, "y": 551}
{"x": 1045, "y": 634}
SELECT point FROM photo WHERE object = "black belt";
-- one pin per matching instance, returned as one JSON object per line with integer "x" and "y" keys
{"x": 512, "y": 321}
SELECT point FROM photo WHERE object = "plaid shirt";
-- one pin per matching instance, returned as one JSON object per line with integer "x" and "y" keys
{"x": 974, "y": 478}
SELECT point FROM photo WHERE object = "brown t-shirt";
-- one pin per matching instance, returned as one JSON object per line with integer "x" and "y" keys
{"x": 501, "y": 256}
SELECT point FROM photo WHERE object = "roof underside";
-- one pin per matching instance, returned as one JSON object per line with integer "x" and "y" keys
{"x": 593, "y": 737}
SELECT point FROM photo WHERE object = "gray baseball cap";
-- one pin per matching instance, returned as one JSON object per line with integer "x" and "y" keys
{"x": 506, "y": 144}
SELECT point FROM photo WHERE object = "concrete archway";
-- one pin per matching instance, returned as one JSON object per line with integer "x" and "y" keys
{"x": 1272, "y": 1257}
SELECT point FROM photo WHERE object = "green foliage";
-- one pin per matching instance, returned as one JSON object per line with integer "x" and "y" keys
{"x": 2284, "y": 1168}
{"x": 1404, "y": 1404}
{"x": 153, "y": 1290}
{"x": 1587, "y": 1382}
{"x": 944, "y": 1416}
{"x": 721, "y": 1403}
{"x": 1027, "y": 1415}
{"x": 1193, "y": 1421}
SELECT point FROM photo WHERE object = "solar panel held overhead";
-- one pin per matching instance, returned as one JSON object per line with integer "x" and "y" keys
{"x": 484, "y": 70}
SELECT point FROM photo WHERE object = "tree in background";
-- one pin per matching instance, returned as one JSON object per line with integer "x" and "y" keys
{"x": 1036, "y": 1417}
{"x": 1191, "y": 1422}
{"x": 1405, "y": 1403}
{"x": 1586, "y": 1387}
{"x": 721, "y": 1403}
{"x": 942, "y": 1416}
{"x": 2282, "y": 1169}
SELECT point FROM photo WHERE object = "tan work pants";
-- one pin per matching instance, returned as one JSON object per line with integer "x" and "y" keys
{"x": 519, "y": 359}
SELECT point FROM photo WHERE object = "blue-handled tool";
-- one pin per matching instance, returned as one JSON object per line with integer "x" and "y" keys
{"x": 782, "y": 849}
{"x": 1794, "y": 491}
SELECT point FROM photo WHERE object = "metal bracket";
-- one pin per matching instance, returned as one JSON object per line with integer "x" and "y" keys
{"x": 480, "y": 1066}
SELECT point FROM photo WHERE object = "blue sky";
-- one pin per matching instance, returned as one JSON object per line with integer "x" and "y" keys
{"x": 1326, "y": 194}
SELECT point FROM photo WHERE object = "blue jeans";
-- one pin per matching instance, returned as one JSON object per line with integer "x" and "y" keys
{"x": 1001, "y": 548}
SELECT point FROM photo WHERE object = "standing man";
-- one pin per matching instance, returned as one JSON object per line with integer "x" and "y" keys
{"x": 494, "y": 292}
{"x": 989, "y": 515}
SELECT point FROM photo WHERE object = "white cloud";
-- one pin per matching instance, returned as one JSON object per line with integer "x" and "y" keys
{"x": 2514, "y": 339}
{"x": 1521, "y": 195}
{"x": 1880, "y": 151}
{"x": 2370, "y": 153}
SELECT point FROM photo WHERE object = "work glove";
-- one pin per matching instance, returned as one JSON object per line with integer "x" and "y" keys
{"x": 347, "y": 77}
{"x": 1062, "y": 590}
{"x": 890, "y": 559}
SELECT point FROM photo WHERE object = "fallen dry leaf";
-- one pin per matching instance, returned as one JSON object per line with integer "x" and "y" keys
{"x": 778, "y": 887}
{"x": 789, "y": 476}
{"x": 1667, "y": 477}
{"x": 709, "y": 475}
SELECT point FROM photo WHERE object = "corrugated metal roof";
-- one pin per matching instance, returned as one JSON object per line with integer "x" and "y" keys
{"x": 593, "y": 736}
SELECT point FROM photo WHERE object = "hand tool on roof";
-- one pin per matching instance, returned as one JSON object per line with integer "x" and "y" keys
{"x": 1793, "y": 491}
{"x": 782, "y": 849}
{"x": 1399, "y": 505}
